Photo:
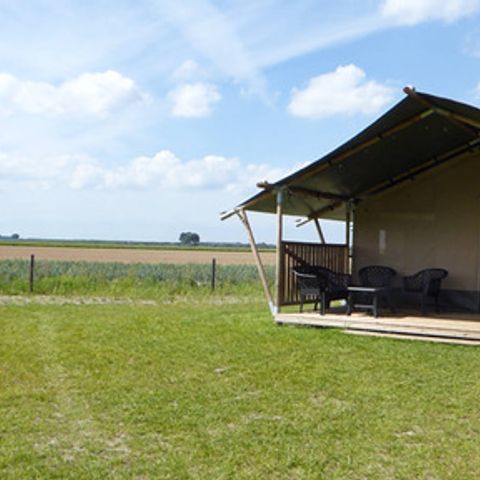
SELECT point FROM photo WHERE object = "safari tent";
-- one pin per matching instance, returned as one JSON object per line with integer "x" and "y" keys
{"x": 407, "y": 188}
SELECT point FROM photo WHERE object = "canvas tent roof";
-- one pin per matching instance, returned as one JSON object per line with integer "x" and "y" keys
{"x": 418, "y": 133}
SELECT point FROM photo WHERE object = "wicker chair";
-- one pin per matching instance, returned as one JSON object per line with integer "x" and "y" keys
{"x": 426, "y": 283}
{"x": 379, "y": 276}
{"x": 322, "y": 285}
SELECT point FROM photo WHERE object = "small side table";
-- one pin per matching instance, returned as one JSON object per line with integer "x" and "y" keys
{"x": 370, "y": 293}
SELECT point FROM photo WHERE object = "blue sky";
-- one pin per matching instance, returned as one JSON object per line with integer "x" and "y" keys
{"x": 142, "y": 119}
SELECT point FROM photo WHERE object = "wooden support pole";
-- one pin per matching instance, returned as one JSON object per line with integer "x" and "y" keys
{"x": 348, "y": 220}
{"x": 347, "y": 224}
{"x": 214, "y": 272}
{"x": 319, "y": 230}
{"x": 242, "y": 215}
{"x": 32, "y": 273}
{"x": 279, "y": 259}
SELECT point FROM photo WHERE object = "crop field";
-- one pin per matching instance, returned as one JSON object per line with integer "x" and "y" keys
{"x": 133, "y": 255}
{"x": 140, "y": 280}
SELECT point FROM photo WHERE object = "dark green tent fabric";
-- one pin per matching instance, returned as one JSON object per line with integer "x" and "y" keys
{"x": 417, "y": 132}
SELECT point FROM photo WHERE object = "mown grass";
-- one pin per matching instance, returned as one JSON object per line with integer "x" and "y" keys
{"x": 216, "y": 392}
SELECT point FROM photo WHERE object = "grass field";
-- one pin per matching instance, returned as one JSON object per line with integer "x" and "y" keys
{"x": 203, "y": 390}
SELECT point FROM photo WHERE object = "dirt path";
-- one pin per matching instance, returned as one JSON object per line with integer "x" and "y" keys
{"x": 125, "y": 255}
{"x": 25, "y": 300}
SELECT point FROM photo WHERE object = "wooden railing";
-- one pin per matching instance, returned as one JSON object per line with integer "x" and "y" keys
{"x": 296, "y": 254}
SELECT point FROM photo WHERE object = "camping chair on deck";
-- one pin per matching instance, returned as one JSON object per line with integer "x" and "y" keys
{"x": 310, "y": 286}
{"x": 322, "y": 285}
{"x": 426, "y": 283}
{"x": 379, "y": 276}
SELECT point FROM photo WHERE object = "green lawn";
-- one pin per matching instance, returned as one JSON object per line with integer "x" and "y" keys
{"x": 219, "y": 392}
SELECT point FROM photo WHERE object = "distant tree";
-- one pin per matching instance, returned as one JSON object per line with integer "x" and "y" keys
{"x": 15, "y": 236}
{"x": 189, "y": 238}
{"x": 195, "y": 238}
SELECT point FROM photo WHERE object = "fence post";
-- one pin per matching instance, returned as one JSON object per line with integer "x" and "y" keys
{"x": 214, "y": 272}
{"x": 32, "y": 272}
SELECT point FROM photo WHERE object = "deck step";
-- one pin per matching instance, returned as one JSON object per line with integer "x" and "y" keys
{"x": 423, "y": 338}
{"x": 416, "y": 328}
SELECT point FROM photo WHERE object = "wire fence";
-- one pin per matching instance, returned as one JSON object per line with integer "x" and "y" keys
{"x": 28, "y": 274}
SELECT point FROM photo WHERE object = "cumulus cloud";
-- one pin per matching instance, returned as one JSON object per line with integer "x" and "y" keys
{"x": 37, "y": 171}
{"x": 412, "y": 12}
{"x": 163, "y": 170}
{"x": 342, "y": 92}
{"x": 194, "y": 99}
{"x": 90, "y": 94}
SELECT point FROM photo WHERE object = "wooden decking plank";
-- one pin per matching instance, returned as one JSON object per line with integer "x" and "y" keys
{"x": 419, "y": 326}
{"x": 400, "y": 329}
{"x": 393, "y": 321}
{"x": 420, "y": 321}
{"x": 424, "y": 338}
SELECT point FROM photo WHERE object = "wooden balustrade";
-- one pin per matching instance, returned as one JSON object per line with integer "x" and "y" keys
{"x": 296, "y": 254}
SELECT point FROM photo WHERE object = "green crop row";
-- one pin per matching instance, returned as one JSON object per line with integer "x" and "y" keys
{"x": 66, "y": 277}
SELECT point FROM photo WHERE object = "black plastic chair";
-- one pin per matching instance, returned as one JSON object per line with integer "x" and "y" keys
{"x": 322, "y": 285}
{"x": 336, "y": 286}
{"x": 379, "y": 276}
{"x": 310, "y": 286}
{"x": 426, "y": 283}
{"x": 376, "y": 276}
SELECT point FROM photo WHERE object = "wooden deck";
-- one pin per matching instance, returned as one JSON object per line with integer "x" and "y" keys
{"x": 446, "y": 328}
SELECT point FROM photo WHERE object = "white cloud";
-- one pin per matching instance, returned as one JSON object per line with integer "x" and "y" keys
{"x": 342, "y": 92}
{"x": 194, "y": 99}
{"x": 211, "y": 33}
{"x": 33, "y": 172}
{"x": 163, "y": 170}
{"x": 90, "y": 94}
{"x": 412, "y": 12}
{"x": 166, "y": 171}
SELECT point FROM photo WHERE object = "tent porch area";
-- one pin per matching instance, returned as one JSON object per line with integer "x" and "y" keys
{"x": 406, "y": 189}
{"x": 407, "y": 322}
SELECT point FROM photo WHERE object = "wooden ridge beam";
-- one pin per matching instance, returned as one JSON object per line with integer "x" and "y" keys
{"x": 318, "y": 213}
{"x": 424, "y": 167}
{"x": 307, "y": 192}
{"x": 342, "y": 156}
{"x": 372, "y": 141}
{"x": 469, "y": 125}
{"x": 228, "y": 213}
